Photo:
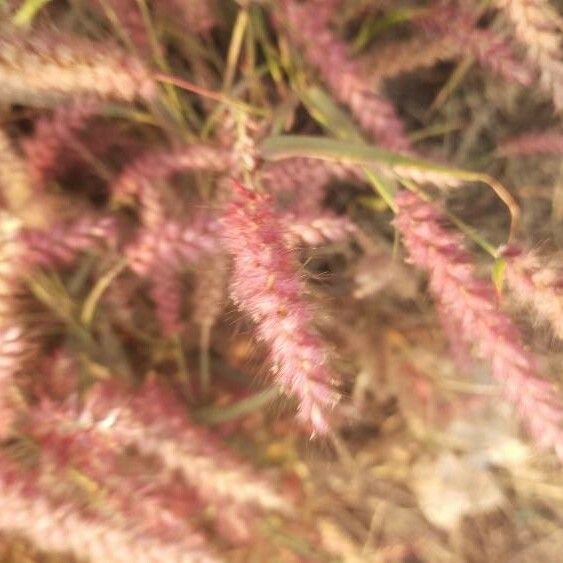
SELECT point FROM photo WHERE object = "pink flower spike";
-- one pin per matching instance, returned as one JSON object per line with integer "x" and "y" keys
{"x": 63, "y": 526}
{"x": 266, "y": 284}
{"x": 537, "y": 25}
{"x": 346, "y": 77}
{"x": 151, "y": 506}
{"x": 62, "y": 243}
{"x": 471, "y": 303}
{"x": 492, "y": 51}
{"x": 155, "y": 422}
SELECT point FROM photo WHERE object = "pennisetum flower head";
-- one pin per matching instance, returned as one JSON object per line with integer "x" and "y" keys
{"x": 267, "y": 285}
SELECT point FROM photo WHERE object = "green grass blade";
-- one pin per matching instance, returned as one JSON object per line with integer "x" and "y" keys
{"x": 27, "y": 12}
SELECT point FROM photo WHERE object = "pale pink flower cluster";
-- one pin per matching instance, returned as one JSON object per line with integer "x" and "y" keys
{"x": 163, "y": 246}
{"x": 537, "y": 25}
{"x": 153, "y": 501}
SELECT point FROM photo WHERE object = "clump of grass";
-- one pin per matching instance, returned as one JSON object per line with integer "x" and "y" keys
{"x": 205, "y": 206}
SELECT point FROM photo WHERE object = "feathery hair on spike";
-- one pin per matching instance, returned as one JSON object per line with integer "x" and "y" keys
{"x": 40, "y": 69}
{"x": 538, "y": 26}
{"x": 536, "y": 283}
{"x": 459, "y": 349}
{"x": 266, "y": 284}
{"x": 472, "y": 305}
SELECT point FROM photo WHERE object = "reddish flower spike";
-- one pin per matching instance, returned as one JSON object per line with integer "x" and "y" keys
{"x": 266, "y": 284}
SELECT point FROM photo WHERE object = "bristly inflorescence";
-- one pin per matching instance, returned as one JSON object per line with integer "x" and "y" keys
{"x": 156, "y": 504}
{"x": 535, "y": 283}
{"x": 471, "y": 303}
{"x": 305, "y": 229}
{"x": 266, "y": 283}
{"x": 163, "y": 253}
{"x": 346, "y": 77}
{"x": 41, "y": 69}
{"x": 54, "y": 525}
{"x": 140, "y": 179}
{"x": 305, "y": 179}
{"x": 422, "y": 50}
{"x": 164, "y": 246}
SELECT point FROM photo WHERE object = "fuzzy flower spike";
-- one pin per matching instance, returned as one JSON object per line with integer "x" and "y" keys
{"x": 471, "y": 305}
{"x": 266, "y": 284}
